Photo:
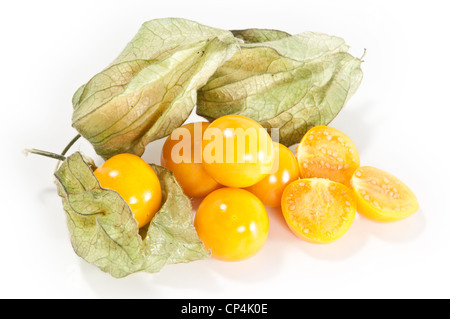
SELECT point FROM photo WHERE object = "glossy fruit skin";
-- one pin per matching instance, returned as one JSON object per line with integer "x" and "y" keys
{"x": 232, "y": 223}
{"x": 270, "y": 189}
{"x": 237, "y": 166}
{"x": 190, "y": 173}
{"x": 325, "y": 152}
{"x": 318, "y": 210}
{"x": 135, "y": 181}
{"x": 381, "y": 196}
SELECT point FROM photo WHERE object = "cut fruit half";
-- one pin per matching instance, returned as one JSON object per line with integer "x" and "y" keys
{"x": 325, "y": 152}
{"x": 381, "y": 196}
{"x": 318, "y": 210}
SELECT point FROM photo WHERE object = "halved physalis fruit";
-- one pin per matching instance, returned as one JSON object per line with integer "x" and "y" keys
{"x": 381, "y": 196}
{"x": 318, "y": 210}
{"x": 325, "y": 152}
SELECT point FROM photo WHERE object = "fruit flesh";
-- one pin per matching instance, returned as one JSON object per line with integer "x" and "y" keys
{"x": 318, "y": 210}
{"x": 381, "y": 196}
{"x": 325, "y": 152}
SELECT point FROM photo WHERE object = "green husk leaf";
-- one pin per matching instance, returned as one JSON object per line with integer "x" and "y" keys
{"x": 171, "y": 237}
{"x": 289, "y": 83}
{"x": 259, "y": 35}
{"x": 151, "y": 87}
{"x": 104, "y": 232}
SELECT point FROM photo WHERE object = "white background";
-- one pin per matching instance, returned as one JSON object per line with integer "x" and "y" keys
{"x": 398, "y": 120}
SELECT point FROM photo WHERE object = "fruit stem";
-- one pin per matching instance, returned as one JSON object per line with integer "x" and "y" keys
{"x": 66, "y": 149}
{"x": 59, "y": 157}
{"x": 364, "y": 54}
{"x": 44, "y": 153}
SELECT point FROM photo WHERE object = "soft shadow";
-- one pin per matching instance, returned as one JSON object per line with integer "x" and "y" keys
{"x": 279, "y": 229}
{"x": 397, "y": 232}
{"x": 51, "y": 217}
{"x": 45, "y": 195}
{"x": 134, "y": 286}
{"x": 287, "y": 242}
{"x": 195, "y": 202}
{"x": 267, "y": 262}
{"x": 152, "y": 152}
{"x": 360, "y": 233}
{"x": 196, "y": 276}
{"x": 345, "y": 247}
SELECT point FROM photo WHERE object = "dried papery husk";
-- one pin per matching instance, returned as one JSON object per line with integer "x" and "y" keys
{"x": 151, "y": 88}
{"x": 104, "y": 232}
{"x": 285, "y": 82}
